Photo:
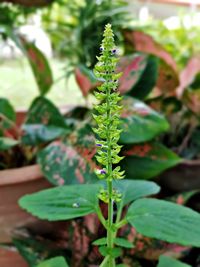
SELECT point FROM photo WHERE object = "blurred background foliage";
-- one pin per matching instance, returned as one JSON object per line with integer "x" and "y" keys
{"x": 160, "y": 121}
{"x": 75, "y": 27}
{"x": 181, "y": 42}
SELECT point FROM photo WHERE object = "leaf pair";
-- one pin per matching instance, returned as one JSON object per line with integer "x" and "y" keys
{"x": 163, "y": 262}
{"x": 151, "y": 217}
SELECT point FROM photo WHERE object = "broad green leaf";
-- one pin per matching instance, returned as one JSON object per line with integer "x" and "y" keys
{"x": 144, "y": 161}
{"x": 147, "y": 80}
{"x": 7, "y": 114}
{"x": 7, "y": 143}
{"x": 54, "y": 262}
{"x": 132, "y": 68}
{"x": 134, "y": 189}
{"x": 165, "y": 221}
{"x": 40, "y": 67}
{"x": 170, "y": 262}
{"x": 62, "y": 203}
{"x": 140, "y": 123}
{"x": 70, "y": 162}
{"x": 44, "y": 122}
{"x": 122, "y": 242}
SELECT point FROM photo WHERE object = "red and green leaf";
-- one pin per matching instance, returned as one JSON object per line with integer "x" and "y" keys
{"x": 7, "y": 114}
{"x": 144, "y": 161}
{"x": 40, "y": 67}
{"x": 85, "y": 79}
{"x": 145, "y": 43}
{"x": 132, "y": 67}
{"x": 44, "y": 123}
{"x": 188, "y": 74}
{"x": 168, "y": 78}
{"x": 72, "y": 161}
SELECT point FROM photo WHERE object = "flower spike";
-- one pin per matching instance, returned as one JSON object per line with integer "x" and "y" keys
{"x": 108, "y": 110}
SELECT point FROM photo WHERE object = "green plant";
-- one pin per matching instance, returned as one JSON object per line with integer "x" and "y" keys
{"x": 107, "y": 131}
{"x": 151, "y": 217}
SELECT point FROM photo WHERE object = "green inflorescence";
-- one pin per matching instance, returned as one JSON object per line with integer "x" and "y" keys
{"x": 108, "y": 113}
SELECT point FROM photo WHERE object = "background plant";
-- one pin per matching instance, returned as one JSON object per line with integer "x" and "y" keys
{"x": 151, "y": 217}
{"x": 64, "y": 145}
{"x": 82, "y": 22}
{"x": 178, "y": 37}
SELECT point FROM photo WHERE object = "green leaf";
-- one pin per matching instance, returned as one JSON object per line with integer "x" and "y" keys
{"x": 62, "y": 203}
{"x": 140, "y": 123}
{"x": 104, "y": 251}
{"x": 7, "y": 143}
{"x": 54, "y": 262}
{"x": 170, "y": 262}
{"x": 134, "y": 189}
{"x": 148, "y": 79}
{"x": 121, "y": 265}
{"x": 39, "y": 66}
{"x": 7, "y": 114}
{"x": 122, "y": 242}
{"x": 147, "y": 160}
{"x": 44, "y": 123}
{"x": 100, "y": 242}
{"x": 165, "y": 221}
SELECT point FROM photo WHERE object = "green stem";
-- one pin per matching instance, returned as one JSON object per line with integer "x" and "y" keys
{"x": 110, "y": 221}
{"x": 121, "y": 223}
{"x": 119, "y": 213}
{"x": 105, "y": 262}
{"x": 101, "y": 217}
{"x": 110, "y": 238}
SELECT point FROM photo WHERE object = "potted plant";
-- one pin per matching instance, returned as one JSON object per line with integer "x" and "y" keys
{"x": 149, "y": 216}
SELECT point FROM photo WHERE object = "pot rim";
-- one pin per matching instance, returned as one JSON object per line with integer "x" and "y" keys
{"x": 20, "y": 175}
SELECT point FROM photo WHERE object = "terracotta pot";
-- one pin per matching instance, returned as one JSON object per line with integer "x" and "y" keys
{"x": 15, "y": 183}
{"x": 10, "y": 257}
